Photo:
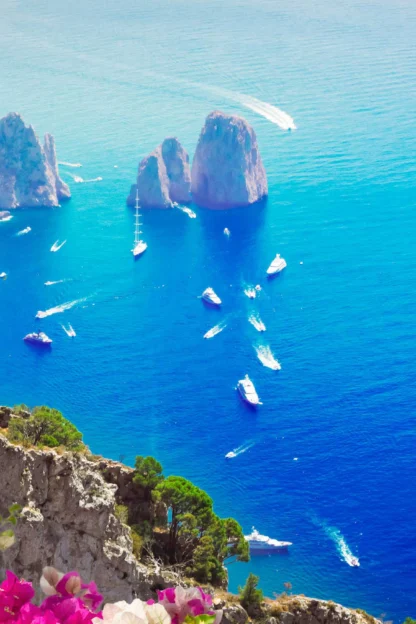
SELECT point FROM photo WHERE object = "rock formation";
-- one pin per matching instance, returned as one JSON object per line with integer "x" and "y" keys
{"x": 227, "y": 169}
{"x": 163, "y": 177}
{"x": 28, "y": 172}
{"x": 68, "y": 521}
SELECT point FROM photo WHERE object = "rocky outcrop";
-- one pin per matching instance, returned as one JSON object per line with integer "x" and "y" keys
{"x": 227, "y": 169}
{"x": 28, "y": 172}
{"x": 163, "y": 177}
{"x": 68, "y": 521}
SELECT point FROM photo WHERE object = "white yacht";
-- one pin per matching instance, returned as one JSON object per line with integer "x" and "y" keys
{"x": 211, "y": 297}
{"x": 264, "y": 543}
{"x": 38, "y": 338}
{"x": 3, "y": 275}
{"x": 248, "y": 392}
{"x": 277, "y": 265}
{"x": 139, "y": 245}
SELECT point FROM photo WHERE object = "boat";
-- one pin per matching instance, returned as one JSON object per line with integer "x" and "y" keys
{"x": 250, "y": 292}
{"x": 211, "y": 297}
{"x": 230, "y": 455}
{"x": 263, "y": 543}
{"x": 3, "y": 275}
{"x": 39, "y": 338}
{"x": 5, "y": 215}
{"x": 25, "y": 231}
{"x": 277, "y": 265}
{"x": 354, "y": 562}
{"x": 248, "y": 392}
{"x": 227, "y": 231}
{"x": 139, "y": 245}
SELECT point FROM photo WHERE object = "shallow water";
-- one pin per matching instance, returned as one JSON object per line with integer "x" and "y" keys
{"x": 139, "y": 378}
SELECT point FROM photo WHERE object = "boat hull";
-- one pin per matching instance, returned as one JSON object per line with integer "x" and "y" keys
{"x": 246, "y": 399}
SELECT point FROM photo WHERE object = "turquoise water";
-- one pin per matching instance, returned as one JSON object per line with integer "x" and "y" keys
{"x": 110, "y": 81}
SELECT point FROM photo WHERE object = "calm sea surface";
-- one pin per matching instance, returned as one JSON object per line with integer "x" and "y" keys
{"x": 110, "y": 81}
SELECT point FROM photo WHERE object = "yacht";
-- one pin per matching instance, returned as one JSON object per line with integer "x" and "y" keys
{"x": 247, "y": 390}
{"x": 139, "y": 245}
{"x": 38, "y": 338}
{"x": 3, "y": 275}
{"x": 211, "y": 297}
{"x": 264, "y": 543}
{"x": 277, "y": 265}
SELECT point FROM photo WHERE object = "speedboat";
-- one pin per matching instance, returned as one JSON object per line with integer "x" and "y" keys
{"x": 139, "y": 248}
{"x": 277, "y": 265}
{"x": 3, "y": 275}
{"x": 354, "y": 562}
{"x": 211, "y": 297}
{"x": 227, "y": 231}
{"x": 39, "y": 338}
{"x": 25, "y": 231}
{"x": 250, "y": 292}
{"x": 230, "y": 455}
{"x": 5, "y": 215}
{"x": 264, "y": 543}
{"x": 248, "y": 392}
{"x": 257, "y": 287}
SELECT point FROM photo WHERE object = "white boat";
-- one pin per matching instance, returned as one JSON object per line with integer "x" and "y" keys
{"x": 139, "y": 245}
{"x": 211, "y": 297}
{"x": 38, "y": 338}
{"x": 354, "y": 562}
{"x": 277, "y": 265}
{"x": 264, "y": 543}
{"x": 231, "y": 454}
{"x": 248, "y": 392}
{"x": 5, "y": 215}
{"x": 3, "y": 275}
{"x": 227, "y": 232}
{"x": 25, "y": 231}
{"x": 250, "y": 292}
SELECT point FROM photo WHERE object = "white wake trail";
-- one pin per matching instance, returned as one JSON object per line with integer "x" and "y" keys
{"x": 68, "y": 164}
{"x": 340, "y": 542}
{"x": 57, "y": 245}
{"x": 267, "y": 358}
{"x": 78, "y": 180}
{"x": 215, "y": 330}
{"x": 191, "y": 214}
{"x": 250, "y": 292}
{"x": 239, "y": 450}
{"x": 257, "y": 322}
{"x": 69, "y": 331}
{"x": 25, "y": 231}
{"x": 60, "y": 308}
{"x": 50, "y": 283}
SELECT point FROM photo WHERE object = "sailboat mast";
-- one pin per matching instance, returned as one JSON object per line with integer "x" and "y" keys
{"x": 137, "y": 222}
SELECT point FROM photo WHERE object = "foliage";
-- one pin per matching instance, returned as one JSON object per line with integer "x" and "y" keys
{"x": 409, "y": 620}
{"x": 138, "y": 543}
{"x": 147, "y": 474}
{"x": 7, "y": 538}
{"x": 122, "y": 513}
{"x": 250, "y": 596}
{"x": 46, "y": 427}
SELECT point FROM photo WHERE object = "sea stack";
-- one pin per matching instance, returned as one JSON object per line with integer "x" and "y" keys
{"x": 163, "y": 177}
{"x": 227, "y": 169}
{"x": 28, "y": 172}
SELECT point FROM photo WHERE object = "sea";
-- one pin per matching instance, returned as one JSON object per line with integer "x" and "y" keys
{"x": 328, "y": 461}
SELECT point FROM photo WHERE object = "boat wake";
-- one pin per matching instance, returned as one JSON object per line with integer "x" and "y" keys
{"x": 266, "y": 357}
{"x": 79, "y": 180}
{"x": 70, "y": 331}
{"x": 342, "y": 547}
{"x": 49, "y": 283}
{"x": 215, "y": 330}
{"x": 25, "y": 231}
{"x": 239, "y": 450}
{"x": 250, "y": 292}
{"x": 68, "y": 164}
{"x": 257, "y": 323}
{"x": 57, "y": 246}
{"x": 191, "y": 214}
{"x": 60, "y": 308}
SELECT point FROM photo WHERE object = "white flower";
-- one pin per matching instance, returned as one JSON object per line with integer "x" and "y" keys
{"x": 138, "y": 612}
{"x": 49, "y": 580}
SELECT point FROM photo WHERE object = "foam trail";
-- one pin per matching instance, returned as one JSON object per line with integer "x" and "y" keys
{"x": 250, "y": 292}
{"x": 57, "y": 246}
{"x": 68, "y": 164}
{"x": 70, "y": 331}
{"x": 49, "y": 283}
{"x": 266, "y": 357}
{"x": 257, "y": 322}
{"x": 25, "y": 231}
{"x": 215, "y": 330}
{"x": 239, "y": 450}
{"x": 191, "y": 214}
{"x": 59, "y": 308}
{"x": 342, "y": 547}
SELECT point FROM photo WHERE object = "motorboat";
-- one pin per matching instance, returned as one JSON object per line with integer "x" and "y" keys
{"x": 25, "y": 231}
{"x": 227, "y": 232}
{"x": 211, "y": 297}
{"x": 263, "y": 543}
{"x": 230, "y": 455}
{"x": 3, "y": 275}
{"x": 139, "y": 245}
{"x": 39, "y": 338}
{"x": 5, "y": 215}
{"x": 277, "y": 265}
{"x": 248, "y": 392}
{"x": 250, "y": 292}
{"x": 354, "y": 562}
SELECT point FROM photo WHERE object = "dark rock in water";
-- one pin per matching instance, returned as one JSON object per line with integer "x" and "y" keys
{"x": 227, "y": 169}
{"x": 164, "y": 177}
{"x": 28, "y": 172}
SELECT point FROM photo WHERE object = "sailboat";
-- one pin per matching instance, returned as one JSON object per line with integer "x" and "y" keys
{"x": 139, "y": 245}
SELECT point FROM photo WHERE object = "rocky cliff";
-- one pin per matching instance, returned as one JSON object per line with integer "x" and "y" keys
{"x": 28, "y": 172}
{"x": 227, "y": 169}
{"x": 163, "y": 177}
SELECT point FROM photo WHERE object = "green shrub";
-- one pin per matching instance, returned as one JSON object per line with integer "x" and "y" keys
{"x": 122, "y": 513}
{"x": 138, "y": 543}
{"x": 250, "y": 596}
{"x": 46, "y": 427}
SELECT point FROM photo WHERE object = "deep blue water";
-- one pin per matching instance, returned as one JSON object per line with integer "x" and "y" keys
{"x": 110, "y": 81}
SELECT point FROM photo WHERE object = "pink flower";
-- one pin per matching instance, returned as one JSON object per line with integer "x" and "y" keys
{"x": 14, "y": 593}
{"x": 30, "y": 614}
{"x": 54, "y": 583}
{"x": 193, "y": 601}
